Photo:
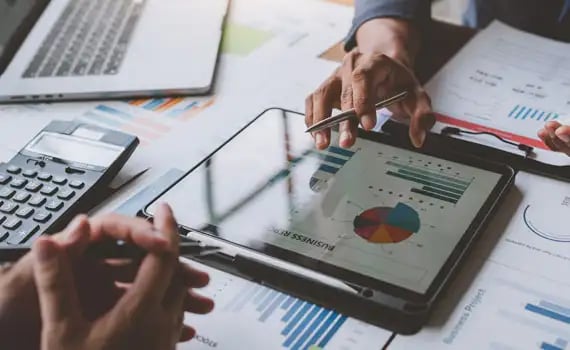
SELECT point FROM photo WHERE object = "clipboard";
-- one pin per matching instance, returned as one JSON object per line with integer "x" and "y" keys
{"x": 519, "y": 162}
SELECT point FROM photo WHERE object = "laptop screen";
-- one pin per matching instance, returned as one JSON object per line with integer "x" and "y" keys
{"x": 17, "y": 18}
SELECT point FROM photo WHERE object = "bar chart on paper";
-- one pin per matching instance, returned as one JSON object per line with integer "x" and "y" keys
{"x": 521, "y": 112}
{"x": 256, "y": 317}
{"x": 177, "y": 107}
{"x": 503, "y": 309}
{"x": 150, "y": 120}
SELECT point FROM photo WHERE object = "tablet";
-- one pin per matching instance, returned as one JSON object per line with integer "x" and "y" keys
{"x": 380, "y": 215}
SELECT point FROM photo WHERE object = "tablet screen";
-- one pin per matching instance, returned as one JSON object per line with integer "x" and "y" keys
{"x": 374, "y": 211}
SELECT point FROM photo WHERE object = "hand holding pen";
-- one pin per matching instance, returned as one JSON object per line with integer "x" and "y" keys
{"x": 90, "y": 299}
{"x": 362, "y": 81}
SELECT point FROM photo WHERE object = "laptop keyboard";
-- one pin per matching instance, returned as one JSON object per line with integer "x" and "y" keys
{"x": 91, "y": 37}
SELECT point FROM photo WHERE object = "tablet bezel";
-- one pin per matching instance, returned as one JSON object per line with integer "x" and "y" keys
{"x": 435, "y": 146}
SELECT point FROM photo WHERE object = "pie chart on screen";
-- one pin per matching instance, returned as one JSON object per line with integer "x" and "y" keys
{"x": 386, "y": 224}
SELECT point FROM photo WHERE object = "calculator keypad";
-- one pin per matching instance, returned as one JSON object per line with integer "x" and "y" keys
{"x": 30, "y": 173}
{"x": 29, "y": 201}
{"x": 48, "y": 190}
{"x": 19, "y": 183}
{"x": 33, "y": 186}
{"x": 4, "y": 179}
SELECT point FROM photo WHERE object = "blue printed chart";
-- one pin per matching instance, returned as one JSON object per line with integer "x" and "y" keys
{"x": 502, "y": 309}
{"x": 520, "y": 112}
{"x": 251, "y": 316}
{"x": 150, "y": 120}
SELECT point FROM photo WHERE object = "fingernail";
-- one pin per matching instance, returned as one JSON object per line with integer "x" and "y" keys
{"x": 368, "y": 122}
{"x": 319, "y": 139}
{"x": 564, "y": 137}
{"x": 46, "y": 250}
{"x": 345, "y": 137}
{"x": 422, "y": 139}
{"x": 73, "y": 231}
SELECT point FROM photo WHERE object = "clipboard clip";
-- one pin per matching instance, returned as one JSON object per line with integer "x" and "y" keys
{"x": 448, "y": 130}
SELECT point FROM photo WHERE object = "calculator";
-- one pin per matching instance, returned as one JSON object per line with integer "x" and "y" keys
{"x": 56, "y": 176}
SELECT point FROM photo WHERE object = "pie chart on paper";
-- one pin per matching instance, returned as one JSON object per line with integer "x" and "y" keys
{"x": 386, "y": 224}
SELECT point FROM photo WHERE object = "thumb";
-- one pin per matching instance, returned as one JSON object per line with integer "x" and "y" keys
{"x": 54, "y": 282}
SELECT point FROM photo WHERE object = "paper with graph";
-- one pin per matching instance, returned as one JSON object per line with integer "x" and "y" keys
{"x": 507, "y": 82}
{"x": 250, "y": 316}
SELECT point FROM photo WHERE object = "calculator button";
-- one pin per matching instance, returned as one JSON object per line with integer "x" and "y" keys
{"x": 12, "y": 169}
{"x": 44, "y": 177}
{"x": 59, "y": 180}
{"x": 76, "y": 184}
{"x": 19, "y": 183}
{"x": 37, "y": 201}
{"x": 30, "y": 173}
{"x": 34, "y": 186}
{"x": 54, "y": 205}
{"x": 21, "y": 197}
{"x": 42, "y": 217}
{"x": 4, "y": 179}
{"x": 8, "y": 208}
{"x": 66, "y": 194}
{"x": 49, "y": 190}
{"x": 7, "y": 193}
{"x": 25, "y": 212}
{"x": 12, "y": 224}
{"x": 22, "y": 235}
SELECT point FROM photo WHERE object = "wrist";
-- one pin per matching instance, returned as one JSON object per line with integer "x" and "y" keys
{"x": 395, "y": 38}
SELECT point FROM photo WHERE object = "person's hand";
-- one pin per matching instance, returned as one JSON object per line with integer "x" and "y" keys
{"x": 379, "y": 67}
{"x": 19, "y": 314}
{"x": 78, "y": 311}
{"x": 556, "y": 136}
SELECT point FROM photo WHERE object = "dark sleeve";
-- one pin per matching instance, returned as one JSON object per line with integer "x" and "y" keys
{"x": 418, "y": 11}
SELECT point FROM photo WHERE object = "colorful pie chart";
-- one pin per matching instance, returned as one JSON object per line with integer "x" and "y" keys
{"x": 387, "y": 225}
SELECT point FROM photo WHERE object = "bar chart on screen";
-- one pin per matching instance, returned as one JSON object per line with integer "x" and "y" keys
{"x": 257, "y": 317}
{"x": 149, "y": 119}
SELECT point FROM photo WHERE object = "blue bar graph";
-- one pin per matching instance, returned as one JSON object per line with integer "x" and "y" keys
{"x": 548, "y": 313}
{"x": 523, "y": 112}
{"x": 271, "y": 309}
{"x": 153, "y": 104}
{"x": 304, "y": 324}
{"x": 113, "y": 111}
{"x": 178, "y": 111}
{"x": 328, "y": 169}
{"x": 301, "y": 327}
{"x": 559, "y": 344}
{"x": 288, "y": 303}
{"x": 332, "y": 331}
{"x": 298, "y": 317}
{"x": 341, "y": 151}
{"x": 554, "y": 307}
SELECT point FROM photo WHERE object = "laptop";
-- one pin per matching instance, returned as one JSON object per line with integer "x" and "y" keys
{"x": 94, "y": 49}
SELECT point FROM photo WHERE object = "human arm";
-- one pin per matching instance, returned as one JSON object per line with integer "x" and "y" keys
{"x": 99, "y": 284}
{"x": 387, "y": 35}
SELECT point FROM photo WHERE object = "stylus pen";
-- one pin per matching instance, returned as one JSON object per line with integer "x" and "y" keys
{"x": 113, "y": 250}
{"x": 339, "y": 118}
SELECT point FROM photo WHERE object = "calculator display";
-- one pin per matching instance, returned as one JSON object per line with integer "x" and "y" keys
{"x": 75, "y": 149}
